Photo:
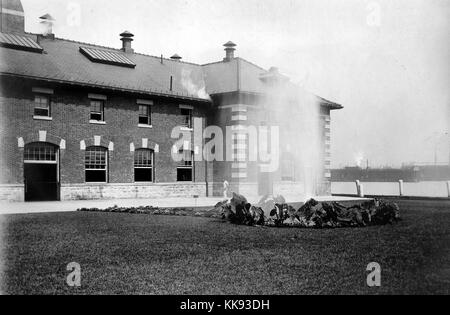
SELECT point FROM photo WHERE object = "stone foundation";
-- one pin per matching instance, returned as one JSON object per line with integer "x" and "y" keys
{"x": 12, "y": 192}
{"x": 15, "y": 193}
{"x": 131, "y": 191}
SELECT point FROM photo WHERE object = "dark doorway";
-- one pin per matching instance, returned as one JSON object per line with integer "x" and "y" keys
{"x": 41, "y": 172}
{"x": 41, "y": 182}
{"x": 265, "y": 183}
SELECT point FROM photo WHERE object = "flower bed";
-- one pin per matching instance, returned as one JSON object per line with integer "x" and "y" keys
{"x": 275, "y": 212}
{"x": 149, "y": 210}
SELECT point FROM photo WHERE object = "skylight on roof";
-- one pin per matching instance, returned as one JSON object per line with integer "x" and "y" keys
{"x": 19, "y": 42}
{"x": 107, "y": 57}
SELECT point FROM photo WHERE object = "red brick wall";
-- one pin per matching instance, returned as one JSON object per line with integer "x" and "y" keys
{"x": 70, "y": 113}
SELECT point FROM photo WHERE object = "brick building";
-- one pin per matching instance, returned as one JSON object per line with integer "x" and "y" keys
{"x": 81, "y": 121}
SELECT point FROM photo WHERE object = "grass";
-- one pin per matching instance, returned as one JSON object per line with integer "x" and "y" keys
{"x": 147, "y": 254}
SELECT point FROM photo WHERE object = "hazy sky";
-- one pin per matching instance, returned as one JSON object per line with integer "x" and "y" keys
{"x": 386, "y": 61}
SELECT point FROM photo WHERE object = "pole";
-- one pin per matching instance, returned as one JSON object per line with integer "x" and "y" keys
{"x": 359, "y": 189}
{"x": 400, "y": 187}
{"x": 448, "y": 189}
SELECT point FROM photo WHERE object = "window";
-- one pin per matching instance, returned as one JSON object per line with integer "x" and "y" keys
{"x": 287, "y": 168}
{"x": 97, "y": 110}
{"x": 96, "y": 165}
{"x": 143, "y": 165}
{"x": 42, "y": 106}
{"x": 186, "y": 114}
{"x": 42, "y": 152}
{"x": 145, "y": 117}
{"x": 185, "y": 169}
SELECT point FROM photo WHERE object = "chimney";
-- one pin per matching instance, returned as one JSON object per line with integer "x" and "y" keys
{"x": 47, "y": 26}
{"x": 274, "y": 70}
{"x": 126, "y": 39}
{"x": 229, "y": 48}
{"x": 176, "y": 57}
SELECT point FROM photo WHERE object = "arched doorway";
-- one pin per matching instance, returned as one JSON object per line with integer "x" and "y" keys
{"x": 41, "y": 172}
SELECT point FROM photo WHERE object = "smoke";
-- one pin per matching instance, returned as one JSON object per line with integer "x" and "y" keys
{"x": 191, "y": 87}
{"x": 359, "y": 159}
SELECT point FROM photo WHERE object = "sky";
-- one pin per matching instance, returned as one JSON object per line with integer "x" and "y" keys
{"x": 385, "y": 61}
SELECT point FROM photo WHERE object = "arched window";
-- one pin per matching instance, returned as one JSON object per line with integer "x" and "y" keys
{"x": 143, "y": 165}
{"x": 40, "y": 152}
{"x": 96, "y": 165}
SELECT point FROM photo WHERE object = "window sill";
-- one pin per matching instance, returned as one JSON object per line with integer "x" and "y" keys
{"x": 186, "y": 129}
{"x": 43, "y": 118}
{"x": 145, "y": 126}
{"x": 97, "y": 122}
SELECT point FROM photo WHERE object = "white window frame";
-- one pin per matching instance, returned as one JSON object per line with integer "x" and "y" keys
{"x": 48, "y": 108}
{"x": 39, "y": 161}
{"x": 185, "y": 166}
{"x": 106, "y": 169}
{"x": 99, "y": 98}
{"x": 149, "y": 116}
{"x": 152, "y": 167}
{"x": 189, "y": 125}
{"x": 102, "y": 112}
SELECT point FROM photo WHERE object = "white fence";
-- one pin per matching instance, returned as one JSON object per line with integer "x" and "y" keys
{"x": 420, "y": 189}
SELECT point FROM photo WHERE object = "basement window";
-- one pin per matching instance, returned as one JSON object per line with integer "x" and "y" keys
{"x": 185, "y": 169}
{"x": 145, "y": 117}
{"x": 96, "y": 165}
{"x": 143, "y": 165}
{"x": 97, "y": 110}
{"x": 42, "y": 106}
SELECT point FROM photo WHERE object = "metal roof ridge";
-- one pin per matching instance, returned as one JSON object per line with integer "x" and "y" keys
{"x": 237, "y": 59}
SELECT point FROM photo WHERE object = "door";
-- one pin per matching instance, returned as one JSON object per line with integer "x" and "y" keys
{"x": 41, "y": 172}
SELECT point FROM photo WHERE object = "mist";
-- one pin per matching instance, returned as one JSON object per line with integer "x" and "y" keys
{"x": 297, "y": 115}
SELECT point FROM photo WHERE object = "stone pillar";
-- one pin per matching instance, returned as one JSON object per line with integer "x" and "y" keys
{"x": 359, "y": 189}
{"x": 400, "y": 187}
{"x": 448, "y": 189}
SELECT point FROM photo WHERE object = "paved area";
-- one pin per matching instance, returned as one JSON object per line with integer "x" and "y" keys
{"x": 68, "y": 206}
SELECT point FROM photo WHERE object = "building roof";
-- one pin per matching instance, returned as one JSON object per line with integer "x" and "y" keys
{"x": 241, "y": 75}
{"x": 63, "y": 61}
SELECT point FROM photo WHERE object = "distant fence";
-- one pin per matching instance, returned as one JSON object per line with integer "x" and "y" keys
{"x": 416, "y": 174}
{"x": 400, "y": 188}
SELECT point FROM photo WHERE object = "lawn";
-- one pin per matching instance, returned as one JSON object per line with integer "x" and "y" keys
{"x": 150, "y": 254}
